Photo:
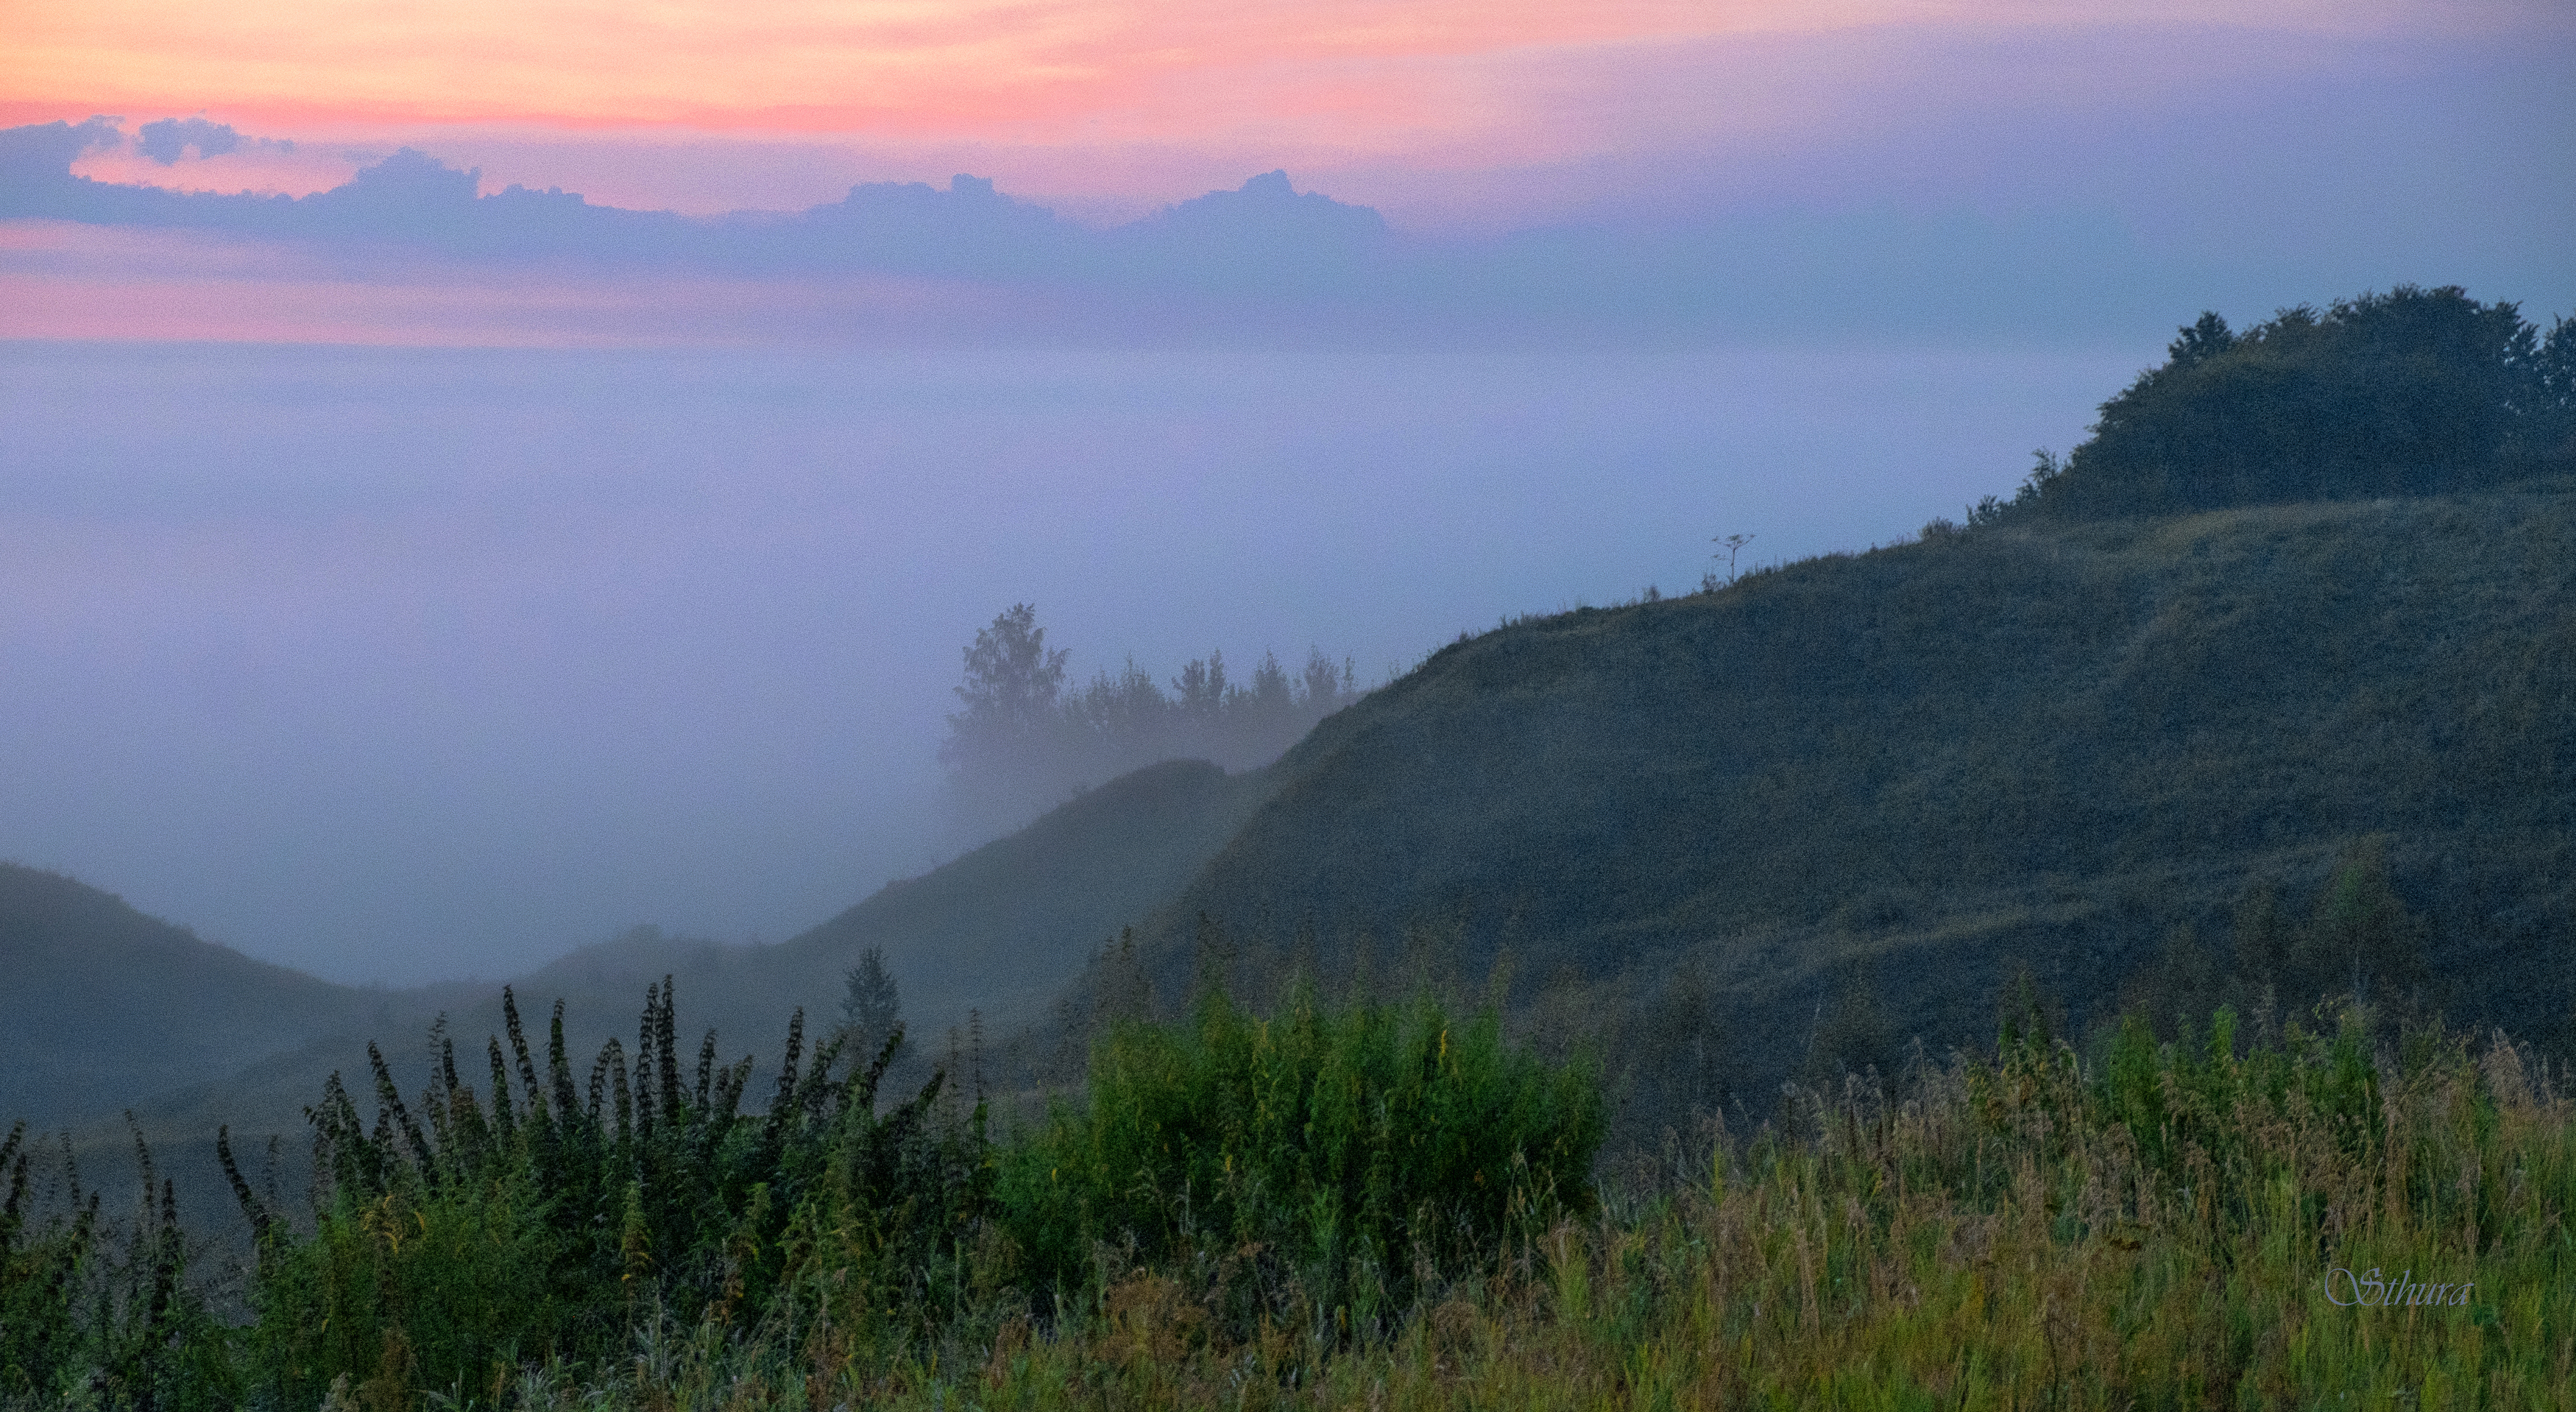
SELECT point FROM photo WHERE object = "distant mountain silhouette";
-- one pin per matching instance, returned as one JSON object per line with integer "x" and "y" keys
{"x": 1263, "y": 260}
{"x": 1263, "y": 237}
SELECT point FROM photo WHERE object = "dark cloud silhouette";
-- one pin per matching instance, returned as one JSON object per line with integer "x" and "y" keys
{"x": 1264, "y": 259}
{"x": 2090, "y": 225}
{"x": 37, "y": 159}
{"x": 169, "y": 139}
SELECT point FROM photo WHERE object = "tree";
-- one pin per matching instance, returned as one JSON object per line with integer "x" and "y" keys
{"x": 2201, "y": 340}
{"x": 1023, "y": 742}
{"x": 1010, "y": 691}
{"x": 1733, "y": 544}
{"x": 1202, "y": 689}
{"x": 871, "y": 1006}
{"x": 1321, "y": 691}
{"x": 1012, "y": 680}
{"x": 1853, "y": 1032}
{"x": 2363, "y": 940}
{"x": 2412, "y": 392}
{"x": 1682, "y": 1050}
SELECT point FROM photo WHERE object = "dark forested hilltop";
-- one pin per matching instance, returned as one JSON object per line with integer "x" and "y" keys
{"x": 2411, "y": 392}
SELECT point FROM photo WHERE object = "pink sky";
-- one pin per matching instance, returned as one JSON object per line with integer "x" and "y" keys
{"x": 1117, "y": 105}
{"x": 2189, "y": 130}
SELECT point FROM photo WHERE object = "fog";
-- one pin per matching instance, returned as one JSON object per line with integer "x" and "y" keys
{"x": 408, "y": 664}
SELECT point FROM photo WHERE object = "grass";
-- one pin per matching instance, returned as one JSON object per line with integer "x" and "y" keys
{"x": 2175, "y": 1223}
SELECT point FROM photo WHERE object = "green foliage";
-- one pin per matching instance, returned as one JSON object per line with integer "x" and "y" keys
{"x": 1353, "y": 1152}
{"x": 2169, "y": 1223}
{"x": 470, "y": 1238}
{"x": 98, "y": 1311}
{"x": 2411, "y": 392}
{"x": 552, "y": 1223}
{"x": 2363, "y": 946}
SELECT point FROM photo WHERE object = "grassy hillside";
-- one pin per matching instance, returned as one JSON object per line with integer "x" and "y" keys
{"x": 105, "y": 1006}
{"x": 1860, "y": 792}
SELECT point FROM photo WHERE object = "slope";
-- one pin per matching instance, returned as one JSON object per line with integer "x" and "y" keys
{"x": 104, "y": 1006}
{"x": 999, "y": 930}
{"x": 1891, "y": 780}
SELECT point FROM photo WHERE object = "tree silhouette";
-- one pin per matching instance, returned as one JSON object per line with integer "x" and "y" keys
{"x": 871, "y": 1005}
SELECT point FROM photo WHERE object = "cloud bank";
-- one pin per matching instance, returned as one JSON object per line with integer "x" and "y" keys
{"x": 1264, "y": 261}
{"x": 2090, "y": 185}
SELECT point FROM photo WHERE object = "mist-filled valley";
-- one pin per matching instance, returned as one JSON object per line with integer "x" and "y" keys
{"x": 407, "y": 665}
{"x": 2159, "y": 867}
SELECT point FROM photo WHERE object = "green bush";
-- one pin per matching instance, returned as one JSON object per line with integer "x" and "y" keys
{"x": 1349, "y": 1154}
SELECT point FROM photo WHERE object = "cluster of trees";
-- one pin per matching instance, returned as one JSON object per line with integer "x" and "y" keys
{"x": 2359, "y": 943}
{"x": 1025, "y": 740}
{"x": 2412, "y": 392}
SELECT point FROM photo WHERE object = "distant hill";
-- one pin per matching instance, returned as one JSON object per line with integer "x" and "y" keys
{"x": 105, "y": 1006}
{"x": 1008, "y": 926}
{"x": 107, "y": 1009}
{"x": 104, "y": 1009}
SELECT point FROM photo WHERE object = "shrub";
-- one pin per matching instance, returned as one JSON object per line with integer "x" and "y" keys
{"x": 554, "y": 1224}
{"x": 1348, "y": 1155}
{"x": 96, "y": 1311}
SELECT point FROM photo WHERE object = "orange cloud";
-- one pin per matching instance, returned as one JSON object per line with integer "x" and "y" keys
{"x": 1354, "y": 72}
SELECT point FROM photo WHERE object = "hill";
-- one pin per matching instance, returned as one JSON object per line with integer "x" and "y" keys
{"x": 106, "y": 1009}
{"x": 109, "y": 1009}
{"x": 106, "y": 1006}
{"x": 1809, "y": 817}
{"x": 1845, "y": 801}
{"x": 1007, "y": 927}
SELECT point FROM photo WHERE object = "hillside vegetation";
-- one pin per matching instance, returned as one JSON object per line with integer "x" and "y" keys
{"x": 2320, "y": 741}
{"x": 2048, "y": 746}
{"x": 1371, "y": 1206}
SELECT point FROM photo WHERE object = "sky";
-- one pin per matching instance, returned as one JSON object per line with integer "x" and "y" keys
{"x": 410, "y": 569}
